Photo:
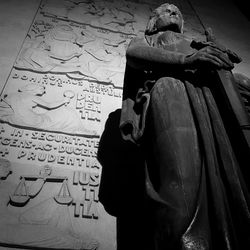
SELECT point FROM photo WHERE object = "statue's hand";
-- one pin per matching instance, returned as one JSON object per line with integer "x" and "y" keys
{"x": 209, "y": 56}
{"x": 202, "y": 44}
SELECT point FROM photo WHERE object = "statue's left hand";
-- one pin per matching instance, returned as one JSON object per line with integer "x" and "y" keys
{"x": 209, "y": 56}
{"x": 233, "y": 57}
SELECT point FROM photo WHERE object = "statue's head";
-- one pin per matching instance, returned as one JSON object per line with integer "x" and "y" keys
{"x": 165, "y": 17}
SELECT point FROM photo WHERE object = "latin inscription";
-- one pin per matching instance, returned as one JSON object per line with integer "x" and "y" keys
{"x": 45, "y": 147}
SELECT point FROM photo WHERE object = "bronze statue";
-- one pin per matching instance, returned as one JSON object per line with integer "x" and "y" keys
{"x": 195, "y": 174}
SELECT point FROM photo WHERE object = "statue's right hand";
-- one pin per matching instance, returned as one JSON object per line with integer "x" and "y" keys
{"x": 211, "y": 57}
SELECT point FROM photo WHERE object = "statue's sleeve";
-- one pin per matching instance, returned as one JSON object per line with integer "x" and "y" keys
{"x": 140, "y": 55}
{"x": 131, "y": 114}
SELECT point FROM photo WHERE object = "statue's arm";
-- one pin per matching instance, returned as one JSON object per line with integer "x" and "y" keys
{"x": 140, "y": 55}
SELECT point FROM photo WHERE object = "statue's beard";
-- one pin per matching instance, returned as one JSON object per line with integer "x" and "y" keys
{"x": 168, "y": 24}
{"x": 170, "y": 27}
{"x": 161, "y": 25}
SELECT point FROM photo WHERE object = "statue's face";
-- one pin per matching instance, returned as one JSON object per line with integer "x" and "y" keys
{"x": 168, "y": 17}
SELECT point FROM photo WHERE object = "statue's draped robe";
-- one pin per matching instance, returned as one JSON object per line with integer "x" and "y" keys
{"x": 196, "y": 192}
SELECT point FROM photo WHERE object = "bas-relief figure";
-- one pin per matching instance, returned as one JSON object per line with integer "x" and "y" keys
{"x": 171, "y": 110}
{"x": 125, "y": 17}
{"x": 61, "y": 48}
{"x": 28, "y": 108}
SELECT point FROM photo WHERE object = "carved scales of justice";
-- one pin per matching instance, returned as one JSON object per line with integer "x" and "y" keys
{"x": 23, "y": 193}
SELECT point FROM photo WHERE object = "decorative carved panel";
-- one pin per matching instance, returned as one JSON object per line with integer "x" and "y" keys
{"x": 65, "y": 81}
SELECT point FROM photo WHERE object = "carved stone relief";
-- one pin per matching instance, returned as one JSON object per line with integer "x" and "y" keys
{"x": 65, "y": 81}
{"x": 60, "y": 48}
{"x": 44, "y": 206}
